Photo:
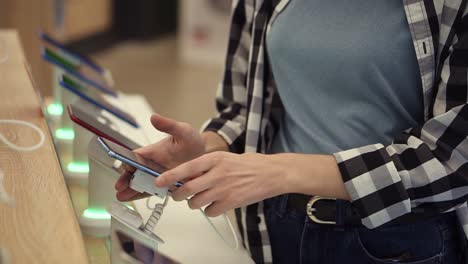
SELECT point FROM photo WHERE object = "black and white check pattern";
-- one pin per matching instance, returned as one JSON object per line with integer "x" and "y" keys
{"x": 425, "y": 169}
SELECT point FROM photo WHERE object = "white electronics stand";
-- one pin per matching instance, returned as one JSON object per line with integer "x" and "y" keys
{"x": 188, "y": 236}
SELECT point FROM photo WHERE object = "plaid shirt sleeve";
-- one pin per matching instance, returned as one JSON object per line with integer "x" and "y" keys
{"x": 231, "y": 97}
{"x": 424, "y": 169}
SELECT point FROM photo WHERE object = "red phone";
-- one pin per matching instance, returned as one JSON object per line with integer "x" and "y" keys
{"x": 92, "y": 124}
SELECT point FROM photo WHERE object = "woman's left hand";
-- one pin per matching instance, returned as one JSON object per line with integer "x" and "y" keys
{"x": 225, "y": 180}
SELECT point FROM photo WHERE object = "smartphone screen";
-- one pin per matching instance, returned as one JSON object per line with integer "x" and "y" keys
{"x": 92, "y": 123}
{"x": 73, "y": 66}
{"x": 141, "y": 253}
{"x": 131, "y": 158}
{"x": 96, "y": 99}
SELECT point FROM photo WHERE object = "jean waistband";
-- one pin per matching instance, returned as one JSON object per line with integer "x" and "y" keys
{"x": 279, "y": 205}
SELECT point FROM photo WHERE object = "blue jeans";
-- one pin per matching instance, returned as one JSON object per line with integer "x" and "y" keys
{"x": 296, "y": 239}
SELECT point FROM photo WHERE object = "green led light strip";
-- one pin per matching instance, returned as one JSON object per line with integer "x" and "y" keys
{"x": 78, "y": 167}
{"x": 65, "y": 133}
{"x": 55, "y": 109}
{"x": 94, "y": 213}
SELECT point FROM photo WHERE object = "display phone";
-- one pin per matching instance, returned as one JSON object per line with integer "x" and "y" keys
{"x": 77, "y": 65}
{"x": 96, "y": 99}
{"x": 99, "y": 126}
{"x": 133, "y": 159}
{"x": 134, "y": 251}
{"x": 46, "y": 38}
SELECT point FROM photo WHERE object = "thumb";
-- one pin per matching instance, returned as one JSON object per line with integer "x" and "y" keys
{"x": 169, "y": 126}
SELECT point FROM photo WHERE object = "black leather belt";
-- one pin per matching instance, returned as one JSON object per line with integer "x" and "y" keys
{"x": 324, "y": 211}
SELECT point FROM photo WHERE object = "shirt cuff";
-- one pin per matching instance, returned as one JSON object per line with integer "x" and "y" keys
{"x": 374, "y": 184}
{"x": 232, "y": 132}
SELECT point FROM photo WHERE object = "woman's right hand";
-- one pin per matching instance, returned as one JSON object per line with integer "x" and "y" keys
{"x": 184, "y": 143}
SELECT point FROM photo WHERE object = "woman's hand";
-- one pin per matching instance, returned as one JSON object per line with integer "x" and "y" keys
{"x": 225, "y": 181}
{"x": 183, "y": 144}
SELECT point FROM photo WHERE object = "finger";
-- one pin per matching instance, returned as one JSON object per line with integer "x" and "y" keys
{"x": 173, "y": 188}
{"x": 195, "y": 186}
{"x": 126, "y": 194}
{"x": 169, "y": 126}
{"x": 190, "y": 169}
{"x": 127, "y": 167}
{"x": 123, "y": 181}
{"x": 129, "y": 195}
{"x": 146, "y": 151}
{"x": 202, "y": 199}
{"x": 217, "y": 208}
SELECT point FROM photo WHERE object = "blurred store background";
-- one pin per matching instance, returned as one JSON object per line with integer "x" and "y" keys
{"x": 170, "y": 51}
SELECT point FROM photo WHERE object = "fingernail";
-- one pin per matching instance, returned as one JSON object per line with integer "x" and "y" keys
{"x": 117, "y": 185}
{"x": 159, "y": 182}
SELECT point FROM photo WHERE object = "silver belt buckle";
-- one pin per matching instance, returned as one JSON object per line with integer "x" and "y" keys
{"x": 310, "y": 210}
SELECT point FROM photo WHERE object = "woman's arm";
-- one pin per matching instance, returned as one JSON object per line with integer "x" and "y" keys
{"x": 424, "y": 169}
{"x": 231, "y": 97}
{"x": 223, "y": 181}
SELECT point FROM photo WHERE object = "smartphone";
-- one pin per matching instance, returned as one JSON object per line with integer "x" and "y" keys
{"x": 74, "y": 67}
{"x": 47, "y": 39}
{"x": 92, "y": 124}
{"x": 96, "y": 99}
{"x": 133, "y": 159}
{"x": 134, "y": 251}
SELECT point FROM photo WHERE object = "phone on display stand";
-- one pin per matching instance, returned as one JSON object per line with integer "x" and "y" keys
{"x": 96, "y": 99}
{"x": 133, "y": 159}
{"x": 55, "y": 43}
{"x": 133, "y": 251}
{"x": 74, "y": 66}
{"x": 100, "y": 126}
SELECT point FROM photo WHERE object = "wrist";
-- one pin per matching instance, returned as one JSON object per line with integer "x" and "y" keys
{"x": 289, "y": 174}
{"x": 214, "y": 142}
{"x": 312, "y": 174}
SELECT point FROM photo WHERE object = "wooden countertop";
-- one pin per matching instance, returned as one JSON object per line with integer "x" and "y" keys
{"x": 41, "y": 227}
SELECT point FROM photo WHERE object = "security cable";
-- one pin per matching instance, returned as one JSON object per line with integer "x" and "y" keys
{"x": 157, "y": 213}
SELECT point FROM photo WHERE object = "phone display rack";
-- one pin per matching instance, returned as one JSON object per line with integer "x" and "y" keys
{"x": 102, "y": 176}
{"x": 79, "y": 159}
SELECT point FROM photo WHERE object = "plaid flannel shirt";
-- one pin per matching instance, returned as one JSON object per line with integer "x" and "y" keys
{"x": 425, "y": 169}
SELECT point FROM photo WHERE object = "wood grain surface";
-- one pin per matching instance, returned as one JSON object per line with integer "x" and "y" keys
{"x": 41, "y": 227}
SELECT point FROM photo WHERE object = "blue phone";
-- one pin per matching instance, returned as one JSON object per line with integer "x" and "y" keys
{"x": 96, "y": 99}
{"x": 48, "y": 39}
{"x": 133, "y": 159}
{"x": 73, "y": 65}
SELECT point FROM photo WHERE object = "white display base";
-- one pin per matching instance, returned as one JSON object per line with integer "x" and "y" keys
{"x": 79, "y": 152}
{"x": 80, "y": 143}
{"x": 101, "y": 192}
{"x": 52, "y": 119}
{"x": 75, "y": 178}
{"x": 95, "y": 227}
{"x": 65, "y": 150}
{"x": 63, "y": 144}
{"x": 67, "y": 98}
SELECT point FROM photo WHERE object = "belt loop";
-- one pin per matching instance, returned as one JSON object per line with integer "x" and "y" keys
{"x": 339, "y": 215}
{"x": 282, "y": 205}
